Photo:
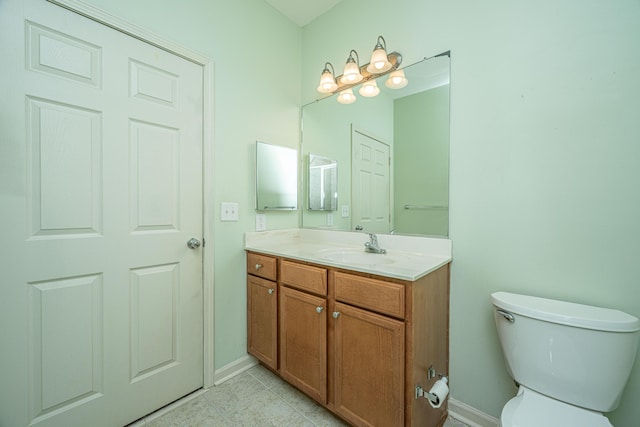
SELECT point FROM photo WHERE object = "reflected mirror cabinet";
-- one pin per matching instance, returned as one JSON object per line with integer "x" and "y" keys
{"x": 393, "y": 152}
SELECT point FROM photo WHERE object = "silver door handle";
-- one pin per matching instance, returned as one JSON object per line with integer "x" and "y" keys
{"x": 193, "y": 243}
{"x": 319, "y": 309}
{"x": 336, "y": 314}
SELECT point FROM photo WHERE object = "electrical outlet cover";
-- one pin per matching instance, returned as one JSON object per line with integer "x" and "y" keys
{"x": 261, "y": 222}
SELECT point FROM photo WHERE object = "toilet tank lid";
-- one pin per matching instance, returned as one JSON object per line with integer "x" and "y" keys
{"x": 566, "y": 313}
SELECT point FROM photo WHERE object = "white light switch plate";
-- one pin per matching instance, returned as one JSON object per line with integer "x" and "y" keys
{"x": 229, "y": 211}
{"x": 345, "y": 211}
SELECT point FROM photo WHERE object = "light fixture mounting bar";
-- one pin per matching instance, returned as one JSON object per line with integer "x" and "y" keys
{"x": 394, "y": 57}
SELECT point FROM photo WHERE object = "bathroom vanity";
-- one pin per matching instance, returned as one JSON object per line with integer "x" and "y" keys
{"x": 357, "y": 332}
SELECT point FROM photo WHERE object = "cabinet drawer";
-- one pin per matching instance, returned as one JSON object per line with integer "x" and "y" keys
{"x": 377, "y": 295}
{"x": 261, "y": 265}
{"x": 305, "y": 277}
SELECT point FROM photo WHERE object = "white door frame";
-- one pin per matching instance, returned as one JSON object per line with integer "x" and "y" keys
{"x": 118, "y": 24}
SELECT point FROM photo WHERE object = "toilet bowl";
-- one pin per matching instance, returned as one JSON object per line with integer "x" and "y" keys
{"x": 571, "y": 361}
{"x": 532, "y": 409}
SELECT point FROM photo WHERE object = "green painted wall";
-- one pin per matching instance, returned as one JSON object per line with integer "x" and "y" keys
{"x": 544, "y": 195}
{"x": 421, "y": 162}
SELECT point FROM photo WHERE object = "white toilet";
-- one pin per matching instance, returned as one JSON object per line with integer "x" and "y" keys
{"x": 571, "y": 361}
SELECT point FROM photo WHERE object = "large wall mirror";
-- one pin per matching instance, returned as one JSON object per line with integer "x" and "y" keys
{"x": 394, "y": 155}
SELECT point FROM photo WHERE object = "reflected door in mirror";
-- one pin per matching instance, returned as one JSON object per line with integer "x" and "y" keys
{"x": 371, "y": 184}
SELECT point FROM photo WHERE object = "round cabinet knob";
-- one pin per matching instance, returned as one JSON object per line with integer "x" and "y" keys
{"x": 319, "y": 309}
{"x": 336, "y": 314}
{"x": 258, "y": 266}
{"x": 271, "y": 291}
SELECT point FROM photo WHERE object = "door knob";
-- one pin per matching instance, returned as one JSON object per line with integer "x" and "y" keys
{"x": 193, "y": 243}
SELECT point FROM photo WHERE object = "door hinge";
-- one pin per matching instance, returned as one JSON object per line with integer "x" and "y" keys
{"x": 203, "y": 242}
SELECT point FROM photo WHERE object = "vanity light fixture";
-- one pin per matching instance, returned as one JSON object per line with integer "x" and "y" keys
{"x": 354, "y": 74}
{"x": 346, "y": 97}
{"x": 379, "y": 59}
{"x": 396, "y": 80}
{"x": 369, "y": 89}
{"x": 351, "y": 74}
{"x": 327, "y": 80}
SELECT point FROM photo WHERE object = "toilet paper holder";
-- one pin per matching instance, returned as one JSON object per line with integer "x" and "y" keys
{"x": 432, "y": 397}
{"x": 431, "y": 373}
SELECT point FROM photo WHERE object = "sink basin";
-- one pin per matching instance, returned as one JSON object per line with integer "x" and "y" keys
{"x": 355, "y": 257}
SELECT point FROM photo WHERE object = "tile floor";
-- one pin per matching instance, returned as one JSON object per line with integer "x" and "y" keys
{"x": 254, "y": 398}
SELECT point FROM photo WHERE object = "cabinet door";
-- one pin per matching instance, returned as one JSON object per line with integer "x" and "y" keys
{"x": 262, "y": 320}
{"x": 369, "y": 367}
{"x": 303, "y": 342}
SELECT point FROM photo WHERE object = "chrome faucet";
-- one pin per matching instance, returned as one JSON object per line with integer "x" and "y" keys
{"x": 372, "y": 245}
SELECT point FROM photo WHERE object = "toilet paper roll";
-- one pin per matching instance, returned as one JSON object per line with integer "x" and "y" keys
{"x": 438, "y": 393}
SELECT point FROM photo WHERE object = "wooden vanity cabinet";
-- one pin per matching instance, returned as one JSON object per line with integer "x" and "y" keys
{"x": 262, "y": 309}
{"x": 357, "y": 343}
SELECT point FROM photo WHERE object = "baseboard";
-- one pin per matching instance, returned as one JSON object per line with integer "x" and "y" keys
{"x": 470, "y": 415}
{"x": 234, "y": 368}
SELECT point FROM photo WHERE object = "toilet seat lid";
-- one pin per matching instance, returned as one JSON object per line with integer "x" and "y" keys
{"x": 532, "y": 409}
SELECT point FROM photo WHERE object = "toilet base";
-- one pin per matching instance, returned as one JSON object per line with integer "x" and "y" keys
{"x": 531, "y": 409}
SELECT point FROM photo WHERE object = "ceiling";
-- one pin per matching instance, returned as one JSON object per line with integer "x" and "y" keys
{"x": 302, "y": 11}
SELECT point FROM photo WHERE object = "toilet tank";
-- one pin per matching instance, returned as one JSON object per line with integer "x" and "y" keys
{"x": 574, "y": 353}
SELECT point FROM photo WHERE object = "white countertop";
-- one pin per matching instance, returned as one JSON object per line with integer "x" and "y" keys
{"x": 407, "y": 257}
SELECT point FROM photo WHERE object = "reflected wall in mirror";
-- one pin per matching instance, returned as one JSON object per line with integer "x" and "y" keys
{"x": 323, "y": 183}
{"x": 413, "y": 124}
{"x": 276, "y": 177}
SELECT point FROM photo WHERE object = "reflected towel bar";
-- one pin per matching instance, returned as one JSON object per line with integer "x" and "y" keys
{"x": 279, "y": 207}
{"x": 424, "y": 207}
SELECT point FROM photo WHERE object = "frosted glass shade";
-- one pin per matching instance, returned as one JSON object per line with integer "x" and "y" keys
{"x": 396, "y": 80}
{"x": 327, "y": 82}
{"x": 346, "y": 97}
{"x": 351, "y": 73}
{"x": 379, "y": 61}
{"x": 369, "y": 89}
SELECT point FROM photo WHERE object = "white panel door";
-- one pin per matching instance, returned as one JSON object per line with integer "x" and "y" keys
{"x": 370, "y": 184}
{"x": 100, "y": 190}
